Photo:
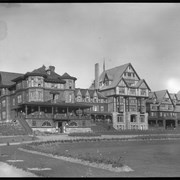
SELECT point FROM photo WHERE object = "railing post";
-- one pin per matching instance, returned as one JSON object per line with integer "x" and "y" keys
{"x": 26, "y": 110}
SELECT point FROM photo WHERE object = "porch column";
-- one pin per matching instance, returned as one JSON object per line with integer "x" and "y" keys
{"x": 156, "y": 122}
{"x": 52, "y": 112}
{"x": 38, "y": 111}
{"x": 128, "y": 103}
{"x": 67, "y": 113}
{"x": 164, "y": 123}
{"x": 176, "y": 123}
{"x": 26, "y": 110}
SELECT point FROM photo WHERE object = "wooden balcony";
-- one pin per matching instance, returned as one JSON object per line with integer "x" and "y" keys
{"x": 57, "y": 116}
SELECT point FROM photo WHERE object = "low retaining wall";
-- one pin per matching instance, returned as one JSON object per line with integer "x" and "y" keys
{"x": 52, "y": 130}
{"x": 77, "y": 130}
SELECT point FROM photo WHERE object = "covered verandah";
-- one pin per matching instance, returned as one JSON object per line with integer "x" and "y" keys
{"x": 59, "y": 113}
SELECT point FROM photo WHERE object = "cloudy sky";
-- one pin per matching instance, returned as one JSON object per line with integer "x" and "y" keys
{"x": 74, "y": 36}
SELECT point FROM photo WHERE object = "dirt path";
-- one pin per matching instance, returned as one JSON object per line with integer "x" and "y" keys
{"x": 7, "y": 170}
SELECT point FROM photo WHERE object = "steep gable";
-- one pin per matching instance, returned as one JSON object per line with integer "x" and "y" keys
{"x": 114, "y": 74}
{"x": 130, "y": 73}
{"x": 142, "y": 84}
{"x": 163, "y": 96}
{"x": 122, "y": 83}
{"x": 7, "y": 77}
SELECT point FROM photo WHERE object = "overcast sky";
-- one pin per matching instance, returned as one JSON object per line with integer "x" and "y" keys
{"x": 74, "y": 36}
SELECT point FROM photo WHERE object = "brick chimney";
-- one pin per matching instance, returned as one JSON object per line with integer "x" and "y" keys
{"x": 96, "y": 84}
{"x": 52, "y": 68}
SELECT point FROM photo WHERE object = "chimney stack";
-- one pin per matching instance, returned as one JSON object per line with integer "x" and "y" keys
{"x": 96, "y": 76}
{"x": 52, "y": 68}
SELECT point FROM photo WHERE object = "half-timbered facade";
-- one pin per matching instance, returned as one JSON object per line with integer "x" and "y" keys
{"x": 163, "y": 110}
{"x": 126, "y": 94}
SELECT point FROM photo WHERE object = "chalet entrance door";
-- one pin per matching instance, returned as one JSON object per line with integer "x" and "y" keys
{"x": 60, "y": 127}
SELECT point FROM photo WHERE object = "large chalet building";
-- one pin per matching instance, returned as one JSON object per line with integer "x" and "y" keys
{"x": 126, "y": 95}
{"x": 43, "y": 100}
{"x": 46, "y": 101}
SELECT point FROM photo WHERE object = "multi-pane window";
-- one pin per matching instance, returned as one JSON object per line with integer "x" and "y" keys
{"x": 40, "y": 95}
{"x": 143, "y": 92}
{"x": 4, "y": 114}
{"x": 95, "y": 100}
{"x": 174, "y": 114}
{"x": 121, "y": 90}
{"x": 79, "y": 99}
{"x": 102, "y": 108}
{"x": 18, "y": 86}
{"x": 153, "y": 114}
{"x": 4, "y": 103}
{"x": 87, "y": 99}
{"x": 120, "y": 118}
{"x": 142, "y": 118}
{"x": 132, "y": 108}
{"x": 36, "y": 95}
{"x": 3, "y": 91}
{"x": 96, "y": 108}
{"x": 132, "y": 91}
{"x": 19, "y": 99}
{"x": 132, "y": 101}
{"x": 70, "y": 97}
{"x": 153, "y": 107}
{"x": 170, "y": 107}
{"x": 13, "y": 102}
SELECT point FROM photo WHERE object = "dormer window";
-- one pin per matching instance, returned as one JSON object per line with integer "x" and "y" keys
{"x": 48, "y": 72}
{"x": 87, "y": 99}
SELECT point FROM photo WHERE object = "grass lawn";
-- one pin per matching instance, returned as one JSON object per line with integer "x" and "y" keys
{"x": 147, "y": 158}
{"x": 20, "y": 138}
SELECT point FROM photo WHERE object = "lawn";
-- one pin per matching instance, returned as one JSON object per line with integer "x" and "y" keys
{"x": 147, "y": 158}
{"x": 12, "y": 139}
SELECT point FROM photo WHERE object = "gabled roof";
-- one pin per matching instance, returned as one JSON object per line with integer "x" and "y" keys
{"x": 67, "y": 76}
{"x": 173, "y": 95}
{"x": 178, "y": 96}
{"x": 115, "y": 74}
{"x": 7, "y": 77}
{"x": 101, "y": 96}
{"x": 138, "y": 84}
{"x": 91, "y": 93}
{"x": 122, "y": 79}
{"x": 76, "y": 91}
{"x": 160, "y": 95}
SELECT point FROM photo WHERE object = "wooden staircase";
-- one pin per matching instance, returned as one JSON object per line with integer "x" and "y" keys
{"x": 24, "y": 124}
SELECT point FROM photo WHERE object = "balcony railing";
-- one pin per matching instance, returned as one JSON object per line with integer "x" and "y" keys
{"x": 57, "y": 116}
